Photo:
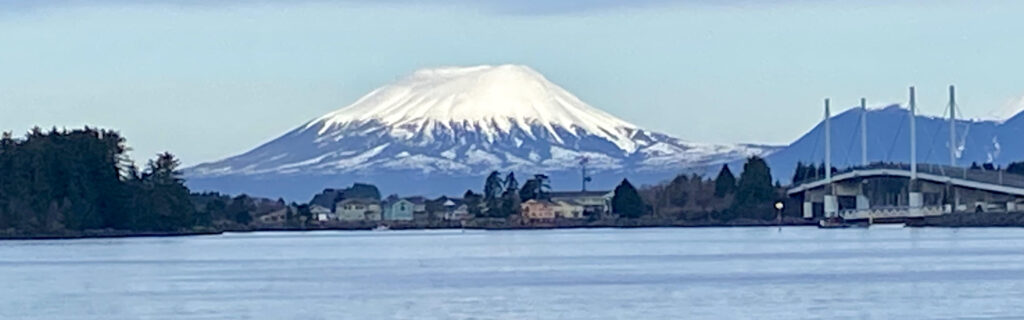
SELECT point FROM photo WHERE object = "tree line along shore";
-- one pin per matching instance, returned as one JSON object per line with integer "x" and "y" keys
{"x": 81, "y": 183}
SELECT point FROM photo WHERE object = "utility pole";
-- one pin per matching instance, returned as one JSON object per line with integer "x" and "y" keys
{"x": 583, "y": 169}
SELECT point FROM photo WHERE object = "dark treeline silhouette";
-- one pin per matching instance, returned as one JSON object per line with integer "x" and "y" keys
{"x": 59, "y": 181}
{"x": 726, "y": 198}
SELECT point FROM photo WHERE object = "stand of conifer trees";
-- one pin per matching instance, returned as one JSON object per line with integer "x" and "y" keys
{"x": 59, "y": 181}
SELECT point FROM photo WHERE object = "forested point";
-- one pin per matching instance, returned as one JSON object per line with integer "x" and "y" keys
{"x": 73, "y": 180}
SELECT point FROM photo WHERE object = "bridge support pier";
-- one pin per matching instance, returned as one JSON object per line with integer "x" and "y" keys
{"x": 916, "y": 202}
{"x": 831, "y": 206}
{"x": 863, "y": 203}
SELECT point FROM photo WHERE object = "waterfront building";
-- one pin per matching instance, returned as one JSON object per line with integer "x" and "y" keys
{"x": 397, "y": 209}
{"x": 358, "y": 209}
{"x": 322, "y": 213}
{"x": 537, "y": 211}
{"x": 594, "y": 202}
{"x": 568, "y": 209}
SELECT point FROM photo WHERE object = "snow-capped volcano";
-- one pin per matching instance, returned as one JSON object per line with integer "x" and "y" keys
{"x": 492, "y": 101}
{"x": 451, "y": 126}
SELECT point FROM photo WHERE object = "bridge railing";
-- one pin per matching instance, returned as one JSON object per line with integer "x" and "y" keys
{"x": 891, "y": 212}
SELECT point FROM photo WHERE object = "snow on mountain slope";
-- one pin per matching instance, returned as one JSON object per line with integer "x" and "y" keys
{"x": 466, "y": 122}
{"x": 493, "y": 100}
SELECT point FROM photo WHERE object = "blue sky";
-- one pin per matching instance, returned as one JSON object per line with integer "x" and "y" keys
{"x": 209, "y": 79}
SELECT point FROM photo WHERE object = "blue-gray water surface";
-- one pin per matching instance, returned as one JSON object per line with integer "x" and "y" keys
{"x": 683, "y": 273}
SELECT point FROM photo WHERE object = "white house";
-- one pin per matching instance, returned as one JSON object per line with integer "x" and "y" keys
{"x": 568, "y": 209}
{"x": 455, "y": 209}
{"x": 321, "y": 213}
{"x": 358, "y": 209}
{"x": 593, "y": 202}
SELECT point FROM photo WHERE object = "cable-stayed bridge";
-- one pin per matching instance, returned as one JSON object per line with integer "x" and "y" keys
{"x": 898, "y": 191}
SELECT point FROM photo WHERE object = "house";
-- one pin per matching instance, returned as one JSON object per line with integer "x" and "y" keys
{"x": 276, "y": 217}
{"x": 594, "y": 202}
{"x": 358, "y": 209}
{"x": 396, "y": 209}
{"x": 419, "y": 209}
{"x": 321, "y": 213}
{"x": 568, "y": 209}
{"x": 455, "y": 209}
{"x": 537, "y": 211}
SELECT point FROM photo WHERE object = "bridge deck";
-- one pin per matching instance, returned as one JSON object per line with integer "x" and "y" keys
{"x": 992, "y": 181}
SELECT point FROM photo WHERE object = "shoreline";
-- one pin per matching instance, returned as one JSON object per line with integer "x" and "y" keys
{"x": 973, "y": 220}
{"x": 114, "y": 234}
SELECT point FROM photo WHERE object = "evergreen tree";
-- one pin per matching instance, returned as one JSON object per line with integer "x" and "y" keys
{"x": 164, "y": 170}
{"x": 1015, "y": 168}
{"x": 535, "y": 188}
{"x": 529, "y": 190}
{"x": 543, "y": 186}
{"x": 493, "y": 188}
{"x": 305, "y": 215}
{"x": 626, "y": 201}
{"x": 169, "y": 198}
{"x": 510, "y": 199}
{"x": 511, "y": 183}
{"x": 755, "y": 194}
{"x": 725, "y": 183}
{"x": 800, "y": 173}
{"x": 240, "y": 209}
{"x": 474, "y": 203}
{"x": 360, "y": 191}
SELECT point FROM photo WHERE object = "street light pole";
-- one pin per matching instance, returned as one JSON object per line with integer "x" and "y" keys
{"x": 778, "y": 214}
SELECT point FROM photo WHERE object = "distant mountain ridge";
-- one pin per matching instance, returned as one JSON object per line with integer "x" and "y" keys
{"x": 441, "y": 131}
{"x": 982, "y": 141}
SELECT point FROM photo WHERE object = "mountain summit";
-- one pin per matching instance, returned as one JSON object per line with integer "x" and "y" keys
{"x": 492, "y": 100}
{"x": 442, "y": 130}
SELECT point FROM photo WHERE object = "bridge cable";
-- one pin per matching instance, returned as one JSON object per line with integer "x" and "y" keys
{"x": 849, "y": 145}
{"x": 931, "y": 145}
{"x": 892, "y": 144}
{"x": 966, "y": 131}
{"x": 814, "y": 151}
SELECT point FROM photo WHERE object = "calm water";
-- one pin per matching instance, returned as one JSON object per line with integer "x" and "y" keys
{"x": 712, "y": 273}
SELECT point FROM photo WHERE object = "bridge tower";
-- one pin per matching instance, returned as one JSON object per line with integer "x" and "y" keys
{"x": 831, "y": 204}
{"x": 915, "y": 199}
{"x": 863, "y": 132}
{"x": 862, "y": 200}
{"x": 953, "y": 146}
